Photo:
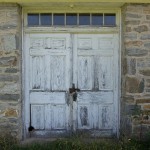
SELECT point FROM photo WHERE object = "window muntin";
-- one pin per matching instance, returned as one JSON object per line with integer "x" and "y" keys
{"x": 72, "y": 19}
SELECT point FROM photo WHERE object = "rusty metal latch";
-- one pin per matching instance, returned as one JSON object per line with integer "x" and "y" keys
{"x": 74, "y": 91}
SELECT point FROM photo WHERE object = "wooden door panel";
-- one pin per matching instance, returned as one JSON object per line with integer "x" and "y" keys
{"x": 84, "y": 116}
{"x": 58, "y": 117}
{"x": 100, "y": 97}
{"x": 49, "y": 75}
{"x": 94, "y": 74}
{"x": 91, "y": 114}
{"x": 38, "y": 116}
{"x": 106, "y": 117}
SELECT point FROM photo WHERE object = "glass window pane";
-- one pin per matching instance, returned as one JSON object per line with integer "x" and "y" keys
{"x": 58, "y": 19}
{"x": 33, "y": 19}
{"x": 110, "y": 19}
{"x": 71, "y": 19}
{"x": 84, "y": 19}
{"x": 97, "y": 19}
{"x": 46, "y": 19}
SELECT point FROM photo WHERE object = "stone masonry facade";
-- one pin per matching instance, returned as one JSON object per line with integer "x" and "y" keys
{"x": 10, "y": 69}
{"x": 135, "y": 66}
{"x": 135, "y": 104}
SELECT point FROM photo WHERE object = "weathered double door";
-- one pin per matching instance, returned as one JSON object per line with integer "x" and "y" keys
{"x": 54, "y": 62}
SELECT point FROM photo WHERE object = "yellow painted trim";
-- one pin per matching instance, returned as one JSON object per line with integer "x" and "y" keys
{"x": 74, "y": 1}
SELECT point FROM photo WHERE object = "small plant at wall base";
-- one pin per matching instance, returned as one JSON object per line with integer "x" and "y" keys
{"x": 7, "y": 141}
{"x": 74, "y": 143}
{"x": 80, "y": 144}
{"x": 139, "y": 116}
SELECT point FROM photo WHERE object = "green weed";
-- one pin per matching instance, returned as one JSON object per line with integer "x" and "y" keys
{"x": 77, "y": 143}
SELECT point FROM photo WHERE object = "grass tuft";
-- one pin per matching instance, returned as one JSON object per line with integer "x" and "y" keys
{"x": 76, "y": 143}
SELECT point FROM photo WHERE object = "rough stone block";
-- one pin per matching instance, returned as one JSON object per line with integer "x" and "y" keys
{"x": 10, "y": 97}
{"x": 148, "y": 80}
{"x": 130, "y": 36}
{"x": 8, "y": 61}
{"x": 11, "y": 70}
{"x": 134, "y": 9}
{"x": 148, "y": 17}
{"x": 8, "y": 87}
{"x": 129, "y": 99}
{"x": 133, "y": 16}
{"x": 142, "y": 28}
{"x": 141, "y": 86}
{"x": 136, "y": 52}
{"x": 148, "y": 85}
{"x": 7, "y": 26}
{"x": 9, "y": 42}
{"x": 128, "y": 29}
{"x": 147, "y": 45}
{"x": 145, "y": 37}
{"x": 131, "y": 66}
{"x": 134, "y": 85}
{"x": 145, "y": 72}
{"x": 147, "y": 90}
{"x": 12, "y": 13}
{"x": 133, "y": 43}
{"x": 9, "y": 78}
{"x": 133, "y": 110}
{"x": 14, "y": 120}
{"x": 11, "y": 113}
{"x": 133, "y": 22}
{"x": 143, "y": 100}
{"x": 143, "y": 62}
{"x": 147, "y": 107}
{"x": 146, "y": 11}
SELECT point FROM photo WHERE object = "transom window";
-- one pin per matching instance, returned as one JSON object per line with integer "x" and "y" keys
{"x": 71, "y": 19}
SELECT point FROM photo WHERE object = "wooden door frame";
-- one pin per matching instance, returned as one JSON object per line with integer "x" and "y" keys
{"x": 89, "y": 30}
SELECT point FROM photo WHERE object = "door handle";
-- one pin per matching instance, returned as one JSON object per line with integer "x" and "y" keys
{"x": 74, "y": 91}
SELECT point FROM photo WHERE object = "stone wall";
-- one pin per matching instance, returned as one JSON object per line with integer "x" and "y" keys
{"x": 135, "y": 110}
{"x": 10, "y": 69}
